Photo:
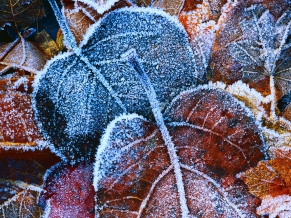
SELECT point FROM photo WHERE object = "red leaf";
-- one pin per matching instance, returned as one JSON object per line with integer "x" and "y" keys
{"x": 70, "y": 192}
{"x": 214, "y": 137}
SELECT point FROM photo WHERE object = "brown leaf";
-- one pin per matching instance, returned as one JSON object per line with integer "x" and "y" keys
{"x": 214, "y": 7}
{"x": 69, "y": 191}
{"x": 246, "y": 45}
{"x": 46, "y": 43}
{"x": 81, "y": 16}
{"x": 21, "y": 54}
{"x": 214, "y": 139}
{"x": 21, "y": 13}
{"x": 22, "y": 171}
{"x": 271, "y": 178}
{"x": 17, "y": 125}
{"x": 173, "y": 7}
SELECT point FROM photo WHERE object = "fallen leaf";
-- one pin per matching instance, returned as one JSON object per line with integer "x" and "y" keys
{"x": 21, "y": 54}
{"x": 16, "y": 118}
{"x": 213, "y": 6}
{"x": 79, "y": 94}
{"x": 254, "y": 47}
{"x": 214, "y": 138}
{"x": 173, "y": 7}
{"x": 69, "y": 191}
{"x": 81, "y": 16}
{"x": 277, "y": 207}
{"x": 22, "y": 170}
{"x": 47, "y": 44}
{"x": 20, "y": 13}
{"x": 201, "y": 31}
{"x": 142, "y": 3}
{"x": 272, "y": 177}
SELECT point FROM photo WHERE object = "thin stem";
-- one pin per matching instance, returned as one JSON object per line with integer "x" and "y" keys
{"x": 273, "y": 116}
{"x": 132, "y": 59}
{"x": 68, "y": 35}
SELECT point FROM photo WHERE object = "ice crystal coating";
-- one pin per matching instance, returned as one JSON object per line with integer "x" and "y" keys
{"x": 79, "y": 94}
{"x": 215, "y": 138}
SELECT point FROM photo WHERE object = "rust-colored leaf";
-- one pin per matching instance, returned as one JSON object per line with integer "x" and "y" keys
{"x": 271, "y": 178}
{"x": 69, "y": 191}
{"x": 214, "y": 7}
{"x": 17, "y": 125}
{"x": 214, "y": 138}
{"x": 20, "y": 13}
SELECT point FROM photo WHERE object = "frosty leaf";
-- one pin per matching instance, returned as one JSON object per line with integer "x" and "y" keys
{"x": 69, "y": 191}
{"x": 80, "y": 16}
{"x": 201, "y": 31}
{"x": 214, "y": 138}
{"x": 77, "y": 96}
{"x": 142, "y": 3}
{"x": 173, "y": 7}
{"x": 17, "y": 125}
{"x": 214, "y": 7}
{"x": 21, "y": 13}
{"x": 275, "y": 207}
{"x": 270, "y": 178}
{"x": 22, "y": 169}
{"x": 21, "y": 54}
{"x": 100, "y": 5}
{"x": 257, "y": 50}
{"x": 47, "y": 44}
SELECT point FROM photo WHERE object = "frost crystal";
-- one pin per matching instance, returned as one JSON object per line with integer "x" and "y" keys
{"x": 79, "y": 94}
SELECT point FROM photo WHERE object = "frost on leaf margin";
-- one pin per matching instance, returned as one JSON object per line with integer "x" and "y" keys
{"x": 215, "y": 138}
{"x": 77, "y": 96}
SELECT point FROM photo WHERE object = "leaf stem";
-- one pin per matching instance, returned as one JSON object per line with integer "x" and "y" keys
{"x": 131, "y": 57}
{"x": 273, "y": 116}
{"x": 68, "y": 35}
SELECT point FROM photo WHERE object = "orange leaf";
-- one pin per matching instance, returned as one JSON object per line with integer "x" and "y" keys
{"x": 271, "y": 178}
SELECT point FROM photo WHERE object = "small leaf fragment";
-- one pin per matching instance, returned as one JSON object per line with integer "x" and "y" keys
{"x": 47, "y": 44}
{"x": 69, "y": 191}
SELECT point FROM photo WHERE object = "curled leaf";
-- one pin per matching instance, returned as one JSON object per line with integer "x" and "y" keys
{"x": 214, "y": 138}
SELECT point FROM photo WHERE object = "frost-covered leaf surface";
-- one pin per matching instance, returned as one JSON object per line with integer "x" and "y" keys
{"x": 81, "y": 16}
{"x": 20, "y": 13}
{"x": 17, "y": 124}
{"x": 173, "y": 7}
{"x": 22, "y": 170}
{"x": 255, "y": 48}
{"x": 276, "y": 206}
{"x": 272, "y": 177}
{"x": 77, "y": 96}
{"x": 215, "y": 138}
{"x": 21, "y": 54}
{"x": 69, "y": 191}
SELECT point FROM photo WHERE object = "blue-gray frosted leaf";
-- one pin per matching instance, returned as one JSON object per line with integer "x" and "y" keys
{"x": 72, "y": 105}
